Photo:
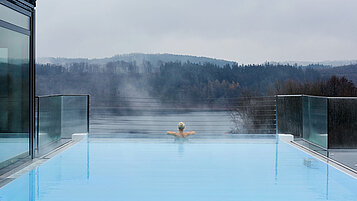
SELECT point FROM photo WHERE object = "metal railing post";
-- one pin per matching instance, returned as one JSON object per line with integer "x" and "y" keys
{"x": 88, "y": 113}
{"x": 38, "y": 124}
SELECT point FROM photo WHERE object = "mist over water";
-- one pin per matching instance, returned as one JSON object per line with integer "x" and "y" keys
{"x": 136, "y": 113}
{"x": 111, "y": 122}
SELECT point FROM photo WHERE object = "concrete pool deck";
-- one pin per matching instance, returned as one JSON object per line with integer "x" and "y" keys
{"x": 347, "y": 157}
{"x": 342, "y": 160}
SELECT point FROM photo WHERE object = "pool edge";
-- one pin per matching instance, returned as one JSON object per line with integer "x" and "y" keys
{"x": 25, "y": 168}
{"x": 333, "y": 163}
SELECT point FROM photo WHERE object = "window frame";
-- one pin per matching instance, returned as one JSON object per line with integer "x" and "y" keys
{"x": 27, "y": 9}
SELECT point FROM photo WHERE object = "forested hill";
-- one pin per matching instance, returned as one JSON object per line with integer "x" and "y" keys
{"x": 190, "y": 82}
{"x": 140, "y": 59}
{"x": 348, "y": 71}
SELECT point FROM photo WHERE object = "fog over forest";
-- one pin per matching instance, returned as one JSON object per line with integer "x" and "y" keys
{"x": 109, "y": 81}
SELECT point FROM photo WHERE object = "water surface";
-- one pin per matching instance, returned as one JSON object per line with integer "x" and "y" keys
{"x": 137, "y": 170}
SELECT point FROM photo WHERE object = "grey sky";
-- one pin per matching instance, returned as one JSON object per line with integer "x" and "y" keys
{"x": 248, "y": 31}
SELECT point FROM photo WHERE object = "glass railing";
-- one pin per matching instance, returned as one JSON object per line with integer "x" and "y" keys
{"x": 49, "y": 119}
{"x": 305, "y": 117}
{"x": 326, "y": 125}
{"x": 75, "y": 117}
{"x": 60, "y": 116}
{"x": 289, "y": 115}
{"x": 328, "y": 122}
{"x": 342, "y": 123}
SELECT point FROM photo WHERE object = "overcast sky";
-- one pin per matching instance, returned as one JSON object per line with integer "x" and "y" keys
{"x": 246, "y": 31}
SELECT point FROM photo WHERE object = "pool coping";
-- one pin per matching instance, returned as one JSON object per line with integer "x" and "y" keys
{"x": 28, "y": 166}
{"x": 333, "y": 163}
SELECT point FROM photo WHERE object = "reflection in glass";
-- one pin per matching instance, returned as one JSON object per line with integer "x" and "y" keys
{"x": 13, "y": 17}
{"x": 14, "y": 96}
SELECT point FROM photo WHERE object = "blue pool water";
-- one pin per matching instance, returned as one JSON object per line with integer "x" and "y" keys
{"x": 140, "y": 170}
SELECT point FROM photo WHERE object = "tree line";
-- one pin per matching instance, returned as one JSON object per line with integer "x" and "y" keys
{"x": 333, "y": 87}
{"x": 188, "y": 82}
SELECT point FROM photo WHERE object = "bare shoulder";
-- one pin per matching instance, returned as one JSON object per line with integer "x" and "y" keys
{"x": 171, "y": 133}
{"x": 190, "y": 133}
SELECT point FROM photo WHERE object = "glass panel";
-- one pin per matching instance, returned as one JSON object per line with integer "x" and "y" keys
{"x": 343, "y": 123}
{"x": 14, "y": 96}
{"x": 74, "y": 115}
{"x": 13, "y": 17}
{"x": 289, "y": 115}
{"x": 315, "y": 120}
{"x": 49, "y": 120}
{"x": 60, "y": 117}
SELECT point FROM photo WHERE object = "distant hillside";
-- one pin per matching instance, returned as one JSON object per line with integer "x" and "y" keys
{"x": 320, "y": 64}
{"x": 138, "y": 62}
{"x": 187, "y": 82}
{"x": 349, "y": 71}
{"x": 138, "y": 58}
{"x": 156, "y": 60}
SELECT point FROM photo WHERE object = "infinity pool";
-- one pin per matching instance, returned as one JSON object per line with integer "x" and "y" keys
{"x": 220, "y": 170}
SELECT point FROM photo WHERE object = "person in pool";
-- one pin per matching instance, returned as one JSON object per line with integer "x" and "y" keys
{"x": 181, "y": 126}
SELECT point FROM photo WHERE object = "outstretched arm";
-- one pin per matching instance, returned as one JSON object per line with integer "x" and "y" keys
{"x": 189, "y": 133}
{"x": 171, "y": 133}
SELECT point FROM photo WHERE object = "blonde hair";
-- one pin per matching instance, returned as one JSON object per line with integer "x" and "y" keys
{"x": 181, "y": 126}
